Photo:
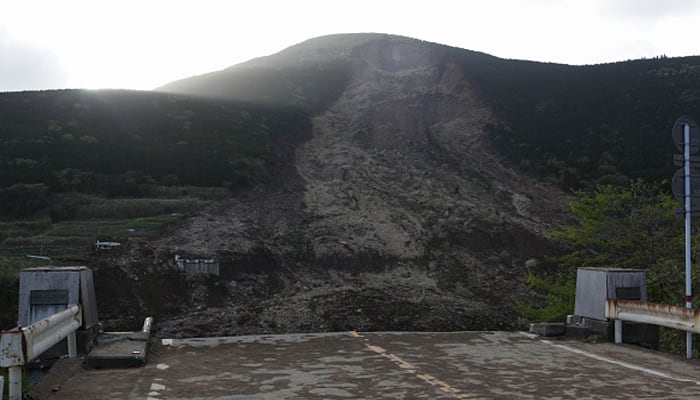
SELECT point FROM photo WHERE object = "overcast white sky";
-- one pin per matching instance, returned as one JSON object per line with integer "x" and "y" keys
{"x": 142, "y": 44}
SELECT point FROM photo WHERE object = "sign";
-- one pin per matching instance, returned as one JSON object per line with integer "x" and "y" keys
{"x": 678, "y": 134}
{"x": 680, "y": 212}
{"x": 678, "y": 185}
{"x": 679, "y": 161}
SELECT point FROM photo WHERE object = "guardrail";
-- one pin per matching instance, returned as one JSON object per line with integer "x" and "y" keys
{"x": 676, "y": 317}
{"x": 20, "y": 346}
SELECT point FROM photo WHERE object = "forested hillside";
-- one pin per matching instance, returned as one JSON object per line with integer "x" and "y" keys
{"x": 590, "y": 124}
{"x": 117, "y": 143}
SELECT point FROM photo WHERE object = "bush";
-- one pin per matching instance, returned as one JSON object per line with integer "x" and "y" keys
{"x": 22, "y": 200}
{"x": 621, "y": 227}
{"x": 561, "y": 295}
{"x": 77, "y": 206}
{"x": 9, "y": 295}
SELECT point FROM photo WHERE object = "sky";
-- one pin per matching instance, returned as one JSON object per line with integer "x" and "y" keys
{"x": 144, "y": 44}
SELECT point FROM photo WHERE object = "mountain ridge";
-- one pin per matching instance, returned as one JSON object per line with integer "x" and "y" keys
{"x": 397, "y": 177}
{"x": 593, "y": 106}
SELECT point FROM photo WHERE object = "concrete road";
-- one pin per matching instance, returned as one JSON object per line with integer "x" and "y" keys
{"x": 351, "y": 365}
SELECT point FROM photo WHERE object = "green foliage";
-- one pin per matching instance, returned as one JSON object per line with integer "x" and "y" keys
{"x": 26, "y": 383}
{"x": 71, "y": 241}
{"x": 626, "y": 227}
{"x": 622, "y": 227}
{"x": 121, "y": 143}
{"x": 587, "y": 125}
{"x": 116, "y": 229}
{"x": 77, "y": 206}
{"x": 561, "y": 294}
{"x": 9, "y": 293}
{"x": 21, "y": 200}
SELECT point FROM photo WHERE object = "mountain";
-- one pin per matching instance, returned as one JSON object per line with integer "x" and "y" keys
{"x": 578, "y": 125}
{"x": 398, "y": 205}
{"x": 376, "y": 182}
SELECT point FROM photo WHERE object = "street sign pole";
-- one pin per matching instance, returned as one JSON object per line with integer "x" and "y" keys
{"x": 688, "y": 261}
{"x": 686, "y": 188}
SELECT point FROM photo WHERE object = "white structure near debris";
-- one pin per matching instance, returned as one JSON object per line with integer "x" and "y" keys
{"x": 198, "y": 265}
{"x": 106, "y": 245}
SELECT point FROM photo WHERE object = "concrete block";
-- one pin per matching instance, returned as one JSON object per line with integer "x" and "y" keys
{"x": 119, "y": 350}
{"x": 632, "y": 332}
{"x": 604, "y": 329}
{"x": 577, "y": 332}
{"x": 548, "y": 329}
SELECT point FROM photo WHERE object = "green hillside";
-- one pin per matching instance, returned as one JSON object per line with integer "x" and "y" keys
{"x": 589, "y": 124}
{"x": 109, "y": 142}
{"x": 578, "y": 125}
{"x": 78, "y": 166}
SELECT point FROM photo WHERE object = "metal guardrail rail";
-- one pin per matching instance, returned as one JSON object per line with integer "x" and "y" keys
{"x": 676, "y": 317}
{"x": 20, "y": 346}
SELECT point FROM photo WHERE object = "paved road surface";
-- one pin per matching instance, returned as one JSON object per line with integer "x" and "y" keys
{"x": 351, "y": 365}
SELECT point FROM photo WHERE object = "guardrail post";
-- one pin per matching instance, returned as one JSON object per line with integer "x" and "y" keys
{"x": 72, "y": 345}
{"x": 14, "y": 383}
{"x": 618, "y": 331}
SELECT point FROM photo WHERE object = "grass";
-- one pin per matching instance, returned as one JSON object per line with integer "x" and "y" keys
{"x": 72, "y": 241}
{"x": 68, "y": 231}
{"x": 112, "y": 228}
{"x": 82, "y": 219}
{"x": 80, "y": 206}
{"x": 26, "y": 383}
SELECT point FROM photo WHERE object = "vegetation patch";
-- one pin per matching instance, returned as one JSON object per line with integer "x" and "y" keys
{"x": 631, "y": 226}
{"x": 587, "y": 125}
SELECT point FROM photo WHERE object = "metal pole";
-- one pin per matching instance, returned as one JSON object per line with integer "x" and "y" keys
{"x": 688, "y": 261}
{"x": 618, "y": 331}
{"x": 14, "y": 383}
{"x": 2, "y": 386}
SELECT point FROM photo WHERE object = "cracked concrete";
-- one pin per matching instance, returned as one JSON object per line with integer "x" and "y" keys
{"x": 352, "y": 365}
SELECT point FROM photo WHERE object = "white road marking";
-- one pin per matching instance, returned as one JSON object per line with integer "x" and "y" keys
{"x": 622, "y": 363}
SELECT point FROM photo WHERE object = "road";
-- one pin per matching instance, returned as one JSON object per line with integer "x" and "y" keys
{"x": 352, "y": 365}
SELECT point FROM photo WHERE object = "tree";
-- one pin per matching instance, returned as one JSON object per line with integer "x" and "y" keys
{"x": 622, "y": 226}
{"x": 631, "y": 226}
{"x": 22, "y": 200}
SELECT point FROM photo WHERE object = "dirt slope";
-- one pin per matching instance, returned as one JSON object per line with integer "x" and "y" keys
{"x": 394, "y": 213}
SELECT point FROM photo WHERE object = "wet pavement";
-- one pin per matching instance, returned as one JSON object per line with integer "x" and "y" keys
{"x": 352, "y": 365}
